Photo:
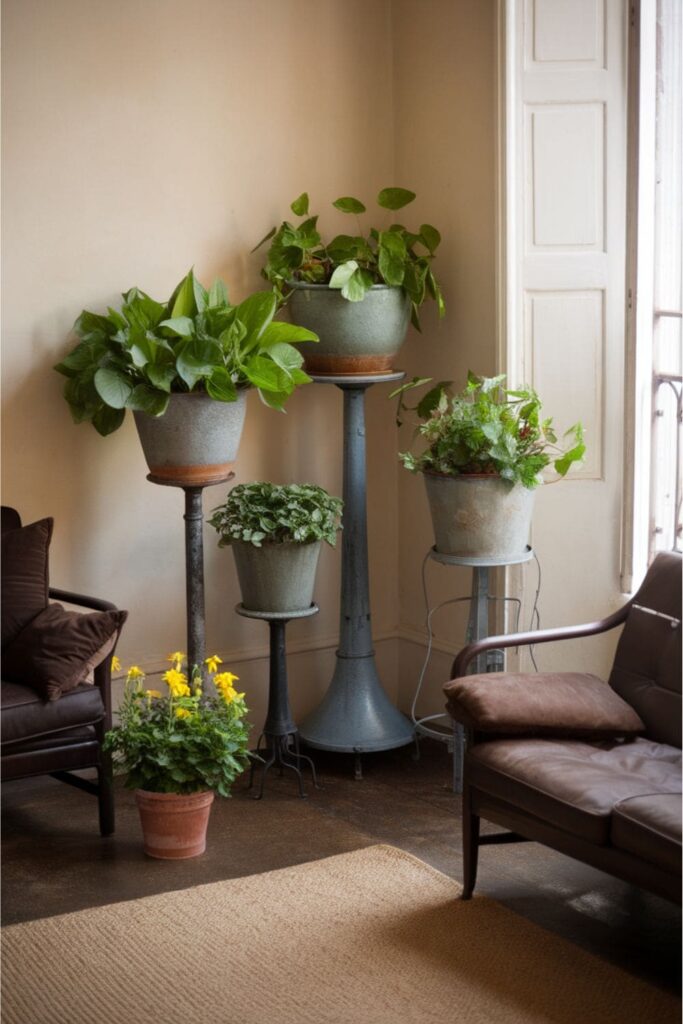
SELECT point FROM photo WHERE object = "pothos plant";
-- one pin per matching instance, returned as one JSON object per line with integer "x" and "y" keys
{"x": 354, "y": 262}
{"x": 262, "y": 513}
{"x": 136, "y": 356}
{"x": 488, "y": 429}
{"x": 181, "y": 741}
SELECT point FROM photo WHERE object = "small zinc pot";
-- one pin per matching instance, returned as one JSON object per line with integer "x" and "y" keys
{"x": 355, "y": 337}
{"x": 173, "y": 825}
{"x": 479, "y": 516}
{"x": 196, "y": 440}
{"x": 277, "y": 577}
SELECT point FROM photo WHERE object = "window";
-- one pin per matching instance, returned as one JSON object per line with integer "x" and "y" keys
{"x": 652, "y": 520}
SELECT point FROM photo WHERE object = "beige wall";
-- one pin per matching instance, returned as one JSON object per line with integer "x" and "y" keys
{"x": 139, "y": 138}
{"x": 145, "y": 136}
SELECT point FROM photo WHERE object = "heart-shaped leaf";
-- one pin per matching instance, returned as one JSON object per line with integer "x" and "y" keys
{"x": 347, "y": 204}
{"x": 395, "y": 198}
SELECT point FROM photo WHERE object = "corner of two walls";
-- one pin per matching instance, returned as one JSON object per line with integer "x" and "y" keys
{"x": 445, "y": 131}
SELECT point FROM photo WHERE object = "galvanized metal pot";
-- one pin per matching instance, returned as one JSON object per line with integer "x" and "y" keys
{"x": 277, "y": 577}
{"x": 355, "y": 337}
{"x": 479, "y": 516}
{"x": 195, "y": 442}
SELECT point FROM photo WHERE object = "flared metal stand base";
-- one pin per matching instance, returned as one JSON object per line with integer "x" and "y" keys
{"x": 355, "y": 715}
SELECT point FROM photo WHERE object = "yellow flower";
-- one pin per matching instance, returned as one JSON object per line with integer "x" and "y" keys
{"x": 177, "y": 658}
{"x": 134, "y": 672}
{"x": 213, "y": 662}
{"x": 183, "y": 713}
{"x": 153, "y": 693}
{"x": 225, "y": 679}
{"x": 176, "y": 682}
{"x": 115, "y": 664}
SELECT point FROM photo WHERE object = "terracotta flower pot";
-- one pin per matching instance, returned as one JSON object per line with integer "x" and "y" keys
{"x": 173, "y": 825}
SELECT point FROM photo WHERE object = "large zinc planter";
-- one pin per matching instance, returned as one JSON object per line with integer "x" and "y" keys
{"x": 355, "y": 337}
{"x": 479, "y": 516}
{"x": 278, "y": 576}
{"x": 195, "y": 441}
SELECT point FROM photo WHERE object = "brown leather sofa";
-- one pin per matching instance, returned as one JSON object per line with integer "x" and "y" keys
{"x": 588, "y": 768}
{"x": 43, "y": 735}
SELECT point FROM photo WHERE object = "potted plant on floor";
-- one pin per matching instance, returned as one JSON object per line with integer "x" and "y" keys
{"x": 486, "y": 448}
{"x": 178, "y": 749}
{"x": 275, "y": 532}
{"x": 183, "y": 368}
{"x": 357, "y": 292}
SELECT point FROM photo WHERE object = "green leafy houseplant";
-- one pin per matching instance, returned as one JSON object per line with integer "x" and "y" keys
{"x": 136, "y": 357}
{"x": 353, "y": 263}
{"x": 263, "y": 513}
{"x": 490, "y": 430}
{"x": 182, "y": 742}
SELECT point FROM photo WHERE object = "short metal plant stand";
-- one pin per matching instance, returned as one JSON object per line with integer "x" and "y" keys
{"x": 355, "y": 715}
{"x": 279, "y": 731}
{"x": 477, "y": 629}
{"x": 194, "y": 564}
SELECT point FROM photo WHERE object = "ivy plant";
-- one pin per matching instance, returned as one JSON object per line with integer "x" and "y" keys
{"x": 355, "y": 262}
{"x": 135, "y": 357}
{"x": 262, "y": 513}
{"x": 488, "y": 429}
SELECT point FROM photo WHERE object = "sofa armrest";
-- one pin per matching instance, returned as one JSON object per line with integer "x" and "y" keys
{"x": 540, "y": 636}
{"x": 566, "y": 704}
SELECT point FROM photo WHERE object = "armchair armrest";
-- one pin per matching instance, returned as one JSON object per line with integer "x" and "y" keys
{"x": 82, "y": 600}
{"x": 540, "y": 636}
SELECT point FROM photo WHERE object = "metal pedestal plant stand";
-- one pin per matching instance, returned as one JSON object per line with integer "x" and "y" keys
{"x": 477, "y": 629}
{"x": 355, "y": 716}
{"x": 194, "y": 564}
{"x": 279, "y": 731}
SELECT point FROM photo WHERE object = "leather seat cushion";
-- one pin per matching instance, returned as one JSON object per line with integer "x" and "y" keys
{"x": 26, "y": 716}
{"x": 572, "y": 784}
{"x": 650, "y": 827}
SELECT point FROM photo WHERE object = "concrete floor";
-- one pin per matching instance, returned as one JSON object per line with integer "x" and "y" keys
{"x": 54, "y": 860}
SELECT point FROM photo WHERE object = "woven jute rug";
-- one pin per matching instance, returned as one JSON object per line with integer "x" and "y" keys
{"x": 370, "y": 937}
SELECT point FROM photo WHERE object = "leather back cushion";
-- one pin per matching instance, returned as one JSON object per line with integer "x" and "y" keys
{"x": 647, "y": 665}
{"x": 24, "y": 576}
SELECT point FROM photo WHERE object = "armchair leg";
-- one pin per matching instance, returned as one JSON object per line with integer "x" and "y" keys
{"x": 470, "y": 844}
{"x": 105, "y": 796}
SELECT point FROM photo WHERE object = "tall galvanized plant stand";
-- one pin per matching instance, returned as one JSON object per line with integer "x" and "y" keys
{"x": 194, "y": 563}
{"x": 355, "y": 716}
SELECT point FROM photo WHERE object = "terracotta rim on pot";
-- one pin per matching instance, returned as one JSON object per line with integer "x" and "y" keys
{"x": 174, "y": 825}
{"x": 356, "y": 338}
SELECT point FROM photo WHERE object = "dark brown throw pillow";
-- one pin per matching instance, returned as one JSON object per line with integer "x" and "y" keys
{"x": 24, "y": 576}
{"x": 56, "y": 651}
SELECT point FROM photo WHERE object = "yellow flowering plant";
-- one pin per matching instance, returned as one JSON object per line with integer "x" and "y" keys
{"x": 181, "y": 741}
